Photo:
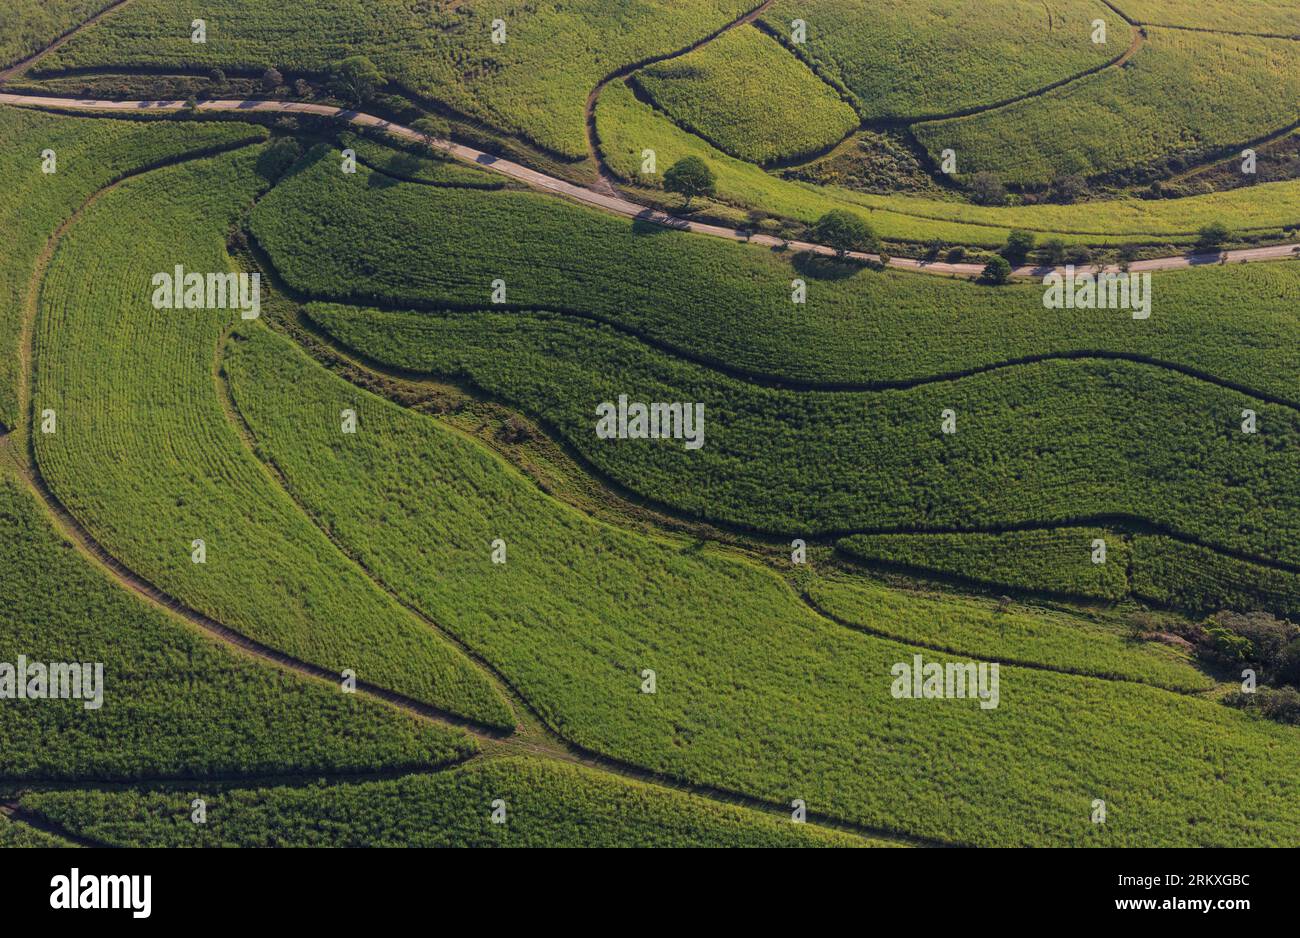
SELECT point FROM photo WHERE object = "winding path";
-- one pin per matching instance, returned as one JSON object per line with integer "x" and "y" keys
{"x": 603, "y": 200}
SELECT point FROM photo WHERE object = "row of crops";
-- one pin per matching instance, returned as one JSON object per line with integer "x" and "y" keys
{"x": 42, "y": 189}
{"x": 145, "y": 456}
{"x": 1065, "y": 561}
{"x": 526, "y": 71}
{"x": 750, "y": 98}
{"x": 1052, "y": 442}
{"x": 907, "y": 61}
{"x": 175, "y": 703}
{"x": 538, "y": 803}
{"x": 1170, "y": 98}
{"x": 1034, "y": 637}
{"x": 730, "y": 304}
{"x": 626, "y": 127}
{"x": 28, "y": 26}
{"x": 580, "y": 609}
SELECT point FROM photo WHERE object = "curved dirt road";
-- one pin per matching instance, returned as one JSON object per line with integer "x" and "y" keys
{"x": 616, "y": 204}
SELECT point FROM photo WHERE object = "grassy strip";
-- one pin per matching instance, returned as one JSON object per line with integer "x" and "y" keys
{"x": 175, "y": 703}
{"x": 1017, "y": 634}
{"x": 754, "y": 692}
{"x": 1054, "y": 561}
{"x": 547, "y": 804}
{"x": 406, "y": 162}
{"x": 145, "y": 456}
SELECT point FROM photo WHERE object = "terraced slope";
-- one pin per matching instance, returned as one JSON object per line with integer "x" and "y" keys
{"x": 442, "y": 248}
{"x": 927, "y": 57}
{"x": 626, "y": 126}
{"x": 533, "y": 83}
{"x": 547, "y": 804}
{"x": 88, "y": 155}
{"x": 145, "y": 457}
{"x": 1048, "y": 443}
{"x": 579, "y": 609}
{"x": 750, "y": 97}
{"x": 1167, "y": 101}
{"x": 175, "y": 703}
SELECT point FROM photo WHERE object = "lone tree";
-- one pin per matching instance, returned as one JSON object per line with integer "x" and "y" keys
{"x": 987, "y": 189}
{"x": 1019, "y": 244}
{"x": 272, "y": 79}
{"x": 996, "y": 272}
{"x": 844, "y": 232}
{"x": 355, "y": 79}
{"x": 1213, "y": 235}
{"x": 690, "y": 176}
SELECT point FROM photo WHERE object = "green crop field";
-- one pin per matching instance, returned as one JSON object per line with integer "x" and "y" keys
{"x": 548, "y": 804}
{"x": 648, "y": 423}
{"x": 28, "y": 26}
{"x": 549, "y": 620}
{"x": 534, "y": 83}
{"x": 923, "y": 58}
{"x": 1033, "y": 637}
{"x": 1264, "y": 17}
{"x": 627, "y": 126}
{"x": 751, "y": 98}
{"x": 87, "y": 155}
{"x": 1168, "y": 100}
{"x": 857, "y": 327}
{"x": 1054, "y": 561}
{"x": 104, "y": 354}
{"x": 174, "y": 703}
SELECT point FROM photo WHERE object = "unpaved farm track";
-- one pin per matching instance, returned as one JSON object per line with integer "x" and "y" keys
{"x": 613, "y": 203}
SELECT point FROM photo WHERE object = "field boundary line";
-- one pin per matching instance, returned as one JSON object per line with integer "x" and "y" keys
{"x": 617, "y": 204}
{"x": 21, "y": 67}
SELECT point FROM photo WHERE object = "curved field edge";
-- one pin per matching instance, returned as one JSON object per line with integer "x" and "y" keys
{"x": 739, "y": 658}
{"x": 52, "y": 164}
{"x": 855, "y": 330}
{"x": 174, "y": 703}
{"x": 626, "y": 126}
{"x": 149, "y": 481}
{"x": 541, "y": 804}
{"x": 1024, "y": 636}
{"x": 1045, "y": 421}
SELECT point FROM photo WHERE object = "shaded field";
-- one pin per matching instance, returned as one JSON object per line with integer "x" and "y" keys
{"x": 545, "y": 804}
